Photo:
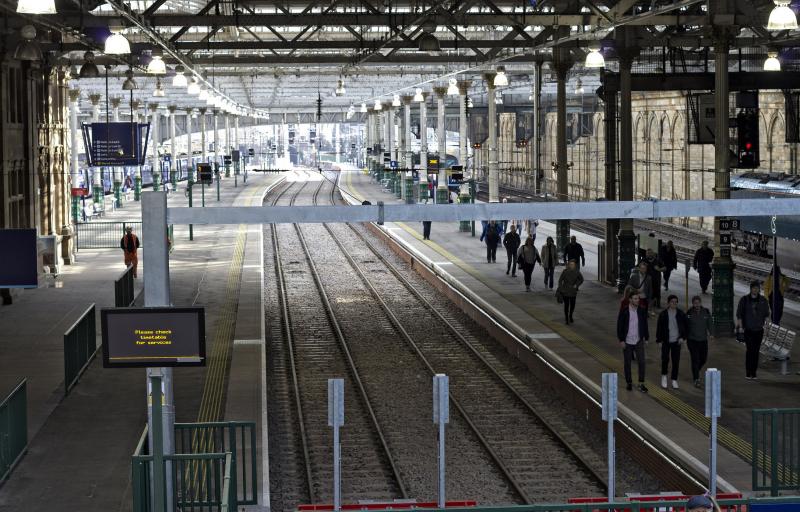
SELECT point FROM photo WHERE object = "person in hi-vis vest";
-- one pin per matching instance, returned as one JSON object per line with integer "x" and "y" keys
{"x": 130, "y": 246}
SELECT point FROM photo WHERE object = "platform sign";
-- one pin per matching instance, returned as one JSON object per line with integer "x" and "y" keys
{"x": 205, "y": 174}
{"x": 729, "y": 224}
{"x": 235, "y": 155}
{"x": 116, "y": 144}
{"x": 19, "y": 259}
{"x": 393, "y": 164}
{"x": 79, "y": 192}
{"x": 153, "y": 337}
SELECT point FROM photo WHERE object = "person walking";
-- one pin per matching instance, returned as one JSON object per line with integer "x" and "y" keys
{"x": 654, "y": 268}
{"x": 702, "y": 264}
{"x": 669, "y": 258}
{"x": 632, "y": 334}
{"x": 491, "y": 237}
{"x": 426, "y": 229}
{"x": 532, "y": 225}
{"x": 751, "y": 313}
{"x": 569, "y": 282}
{"x": 527, "y": 258}
{"x": 699, "y": 331}
{"x": 574, "y": 251}
{"x": 775, "y": 294}
{"x": 641, "y": 281}
{"x": 511, "y": 242}
{"x": 130, "y": 247}
{"x": 549, "y": 260}
{"x": 671, "y": 331}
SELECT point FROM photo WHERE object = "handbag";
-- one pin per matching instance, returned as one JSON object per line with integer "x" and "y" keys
{"x": 740, "y": 335}
{"x": 559, "y": 297}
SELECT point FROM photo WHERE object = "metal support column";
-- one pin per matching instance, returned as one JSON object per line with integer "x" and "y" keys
{"x": 722, "y": 302}
{"x": 612, "y": 225}
{"x": 494, "y": 178}
{"x": 214, "y": 127}
{"x": 157, "y": 293}
{"x": 442, "y": 192}
{"x": 75, "y": 138}
{"x": 227, "y": 151}
{"x": 424, "y": 194}
{"x": 463, "y": 128}
{"x": 203, "y": 145}
{"x": 563, "y": 63}
{"x": 117, "y": 171}
{"x": 173, "y": 161}
{"x": 410, "y": 193}
{"x": 154, "y": 140}
{"x": 626, "y": 237}
{"x": 537, "y": 129}
{"x": 137, "y": 179}
{"x": 97, "y": 179}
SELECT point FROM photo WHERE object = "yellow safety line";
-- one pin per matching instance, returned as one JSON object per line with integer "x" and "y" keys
{"x": 729, "y": 439}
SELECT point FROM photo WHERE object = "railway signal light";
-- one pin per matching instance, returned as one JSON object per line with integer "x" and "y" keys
{"x": 747, "y": 140}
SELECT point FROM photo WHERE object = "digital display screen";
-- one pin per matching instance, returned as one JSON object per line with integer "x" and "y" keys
{"x": 153, "y": 337}
{"x": 19, "y": 260}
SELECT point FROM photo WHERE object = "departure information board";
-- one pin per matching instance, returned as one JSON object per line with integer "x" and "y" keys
{"x": 153, "y": 337}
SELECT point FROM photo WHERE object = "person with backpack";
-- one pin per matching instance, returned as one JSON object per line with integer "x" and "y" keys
{"x": 511, "y": 242}
{"x": 527, "y": 258}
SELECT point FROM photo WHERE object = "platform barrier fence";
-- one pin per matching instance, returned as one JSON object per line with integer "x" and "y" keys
{"x": 104, "y": 235}
{"x": 80, "y": 347}
{"x": 13, "y": 428}
{"x": 776, "y": 450}
{"x": 123, "y": 289}
{"x": 197, "y": 476}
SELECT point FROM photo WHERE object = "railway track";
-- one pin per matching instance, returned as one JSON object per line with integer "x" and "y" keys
{"x": 686, "y": 241}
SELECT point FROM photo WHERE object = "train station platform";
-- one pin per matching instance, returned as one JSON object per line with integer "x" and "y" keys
{"x": 80, "y": 444}
{"x": 671, "y": 419}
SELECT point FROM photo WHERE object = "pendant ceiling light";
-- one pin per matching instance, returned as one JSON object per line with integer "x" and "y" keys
{"x": 428, "y": 43}
{"x": 772, "y": 63}
{"x": 157, "y": 66}
{"x": 452, "y": 89}
{"x": 363, "y": 108}
{"x": 579, "y": 87}
{"x": 396, "y": 100}
{"x": 782, "y": 17}
{"x": 203, "y": 96}
{"x": 194, "y": 88}
{"x": 212, "y": 98}
{"x": 418, "y": 97}
{"x": 89, "y": 68}
{"x": 378, "y": 105}
{"x": 116, "y": 44}
{"x": 340, "y": 88}
{"x": 500, "y": 79}
{"x": 179, "y": 80}
{"x": 158, "y": 92}
{"x": 594, "y": 59}
{"x": 28, "y": 49}
{"x": 469, "y": 103}
{"x": 36, "y": 7}
{"x": 129, "y": 84}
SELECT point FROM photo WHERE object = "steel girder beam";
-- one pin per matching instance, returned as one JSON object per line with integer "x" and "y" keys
{"x": 192, "y": 20}
{"x": 202, "y": 19}
{"x": 738, "y": 81}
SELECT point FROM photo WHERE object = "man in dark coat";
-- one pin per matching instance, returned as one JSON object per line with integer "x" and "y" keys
{"x": 632, "y": 334}
{"x": 751, "y": 314}
{"x": 574, "y": 251}
{"x": 702, "y": 264}
{"x": 511, "y": 242}
{"x": 669, "y": 257}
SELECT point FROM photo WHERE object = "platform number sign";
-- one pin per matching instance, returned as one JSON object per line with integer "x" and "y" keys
{"x": 729, "y": 225}
{"x": 205, "y": 174}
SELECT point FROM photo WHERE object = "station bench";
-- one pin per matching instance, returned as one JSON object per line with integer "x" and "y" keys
{"x": 777, "y": 345}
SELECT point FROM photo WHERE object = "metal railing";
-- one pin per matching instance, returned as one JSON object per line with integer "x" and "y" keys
{"x": 80, "y": 347}
{"x": 236, "y": 437}
{"x": 123, "y": 289}
{"x": 103, "y": 235}
{"x": 776, "y": 450}
{"x": 199, "y": 481}
{"x": 13, "y": 428}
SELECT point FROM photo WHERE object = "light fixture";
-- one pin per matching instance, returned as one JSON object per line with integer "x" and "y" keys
{"x": 194, "y": 88}
{"x": 594, "y": 59}
{"x": 89, "y": 68}
{"x": 452, "y": 89}
{"x": 418, "y": 97}
{"x": 179, "y": 80}
{"x": 211, "y": 100}
{"x": 772, "y": 63}
{"x": 157, "y": 66}
{"x": 396, "y": 100}
{"x": 500, "y": 79}
{"x": 36, "y": 7}
{"x": 203, "y": 96}
{"x": 469, "y": 102}
{"x": 129, "y": 84}
{"x": 116, "y": 44}
{"x": 28, "y": 49}
{"x": 498, "y": 98}
{"x": 363, "y": 108}
{"x": 428, "y": 43}
{"x": 782, "y": 17}
{"x": 340, "y": 88}
{"x": 378, "y": 105}
{"x": 579, "y": 87}
{"x": 158, "y": 92}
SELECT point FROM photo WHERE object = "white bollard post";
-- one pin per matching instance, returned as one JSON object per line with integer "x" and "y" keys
{"x": 336, "y": 420}
{"x": 610, "y": 415}
{"x": 441, "y": 416}
{"x": 713, "y": 410}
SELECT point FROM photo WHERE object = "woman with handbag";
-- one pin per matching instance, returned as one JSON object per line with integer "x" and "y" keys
{"x": 568, "y": 283}
{"x": 527, "y": 258}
